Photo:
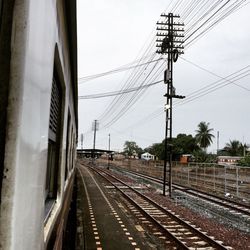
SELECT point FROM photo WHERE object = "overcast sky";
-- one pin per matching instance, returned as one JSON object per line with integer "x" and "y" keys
{"x": 112, "y": 33}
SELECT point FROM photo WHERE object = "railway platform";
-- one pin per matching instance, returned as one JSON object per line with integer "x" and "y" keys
{"x": 102, "y": 220}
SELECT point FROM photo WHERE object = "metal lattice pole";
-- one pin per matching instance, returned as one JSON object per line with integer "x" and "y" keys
{"x": 95, "y": 126}
{"x": 171, "y": 45}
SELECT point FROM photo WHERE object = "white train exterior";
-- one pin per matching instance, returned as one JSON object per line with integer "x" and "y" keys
{"x": 38, "y": 121}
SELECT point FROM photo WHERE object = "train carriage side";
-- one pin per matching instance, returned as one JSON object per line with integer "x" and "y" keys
{"x": 38, "y": 121}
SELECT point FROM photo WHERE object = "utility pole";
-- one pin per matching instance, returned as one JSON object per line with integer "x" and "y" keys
{"x": 109, "y": 155}
{"x": 244, "y": 147}
{"x": 95, "y": 126}
{"x": 109, "y": 142}
{"x": 218, "y": 142}
{"x": 169, "y": 41}
{"x": 81, "y": 141}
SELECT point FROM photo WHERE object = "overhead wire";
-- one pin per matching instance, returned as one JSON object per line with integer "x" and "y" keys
{"x": 113, "y": 71}
{"x": 128, "y": 102}
{"x": 120, "y": 100}
{"x": 114, "y": 93}
{"x": 211, "y": 26}
{"x": 209, "y": 88}
{"x": 135, "y": 97}
{"x": 216, "y": 85}
{"x": 211, "y": 23}
{"x": 199, "y": 19}
{"x": 212, "y": 73}
{"x": 128, "y": 83}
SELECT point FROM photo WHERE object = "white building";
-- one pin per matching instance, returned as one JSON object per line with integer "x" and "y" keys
{"x": 228, "y": 160}
{"x": 147, "y": 156}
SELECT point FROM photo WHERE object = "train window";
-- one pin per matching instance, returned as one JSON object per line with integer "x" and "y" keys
{"x": 54, "y": 140}
{"x": 71, "y": 149}
{"x": 74, "y": 150}
{"x": 6, "y": 15}
{"x": 67, "y": 146}
{"x": 1, "y": 9}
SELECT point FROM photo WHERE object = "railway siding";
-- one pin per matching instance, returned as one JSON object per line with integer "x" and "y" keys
{"x": 184, "y": 235}
{"x": 201, "y": 219}
{"x": 227, "y": 212}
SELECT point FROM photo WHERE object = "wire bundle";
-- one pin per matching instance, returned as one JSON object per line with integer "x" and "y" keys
{"x": 199, "y": 16}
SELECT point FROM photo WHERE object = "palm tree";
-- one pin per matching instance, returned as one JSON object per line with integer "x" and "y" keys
{"x": 244, "y": 148}
{"x": 235, "y": 148}
{"x": 204, "y": 136}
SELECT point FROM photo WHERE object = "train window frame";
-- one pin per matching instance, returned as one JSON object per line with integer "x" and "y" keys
{"x": 6, "y": 16}
{"x": 1, "y": 13}
{"x": 1, "y": 7}
{"x": 52, "y": 184}
{"x": 66, "y": 173}
{"x": 71, "y": 149}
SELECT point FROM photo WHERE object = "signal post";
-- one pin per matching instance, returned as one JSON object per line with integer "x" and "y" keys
{"x": 169, "y": 42}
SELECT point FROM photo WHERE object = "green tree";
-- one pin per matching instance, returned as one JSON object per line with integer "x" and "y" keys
{"x": 184, "y": 144}
{"x": 244, "y": 148}
{"x": 202, "y": 156}
{"x": 235, "y": 148}
{"x": 204, "y": 135}
{"x": 245, "y": 161}
{"x": 130, "y": 147}
{"x": 156, "y": 149}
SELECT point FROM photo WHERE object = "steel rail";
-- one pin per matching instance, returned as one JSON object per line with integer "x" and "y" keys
{"x": 203, "y": 236}
{"x": 201, "y": 194}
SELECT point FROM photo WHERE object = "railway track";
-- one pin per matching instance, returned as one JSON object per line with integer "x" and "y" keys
{"x": 234, "y": 207}
{"x": 210, "y": 183}
{"x": 179, "y": 232}
{"x": 207, "y": 177}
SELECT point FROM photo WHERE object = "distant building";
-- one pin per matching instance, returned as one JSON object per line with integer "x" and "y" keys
{"x": 228, "y": 160}
{"x": 185, "y": 158}
{"x": 147, "y": 156}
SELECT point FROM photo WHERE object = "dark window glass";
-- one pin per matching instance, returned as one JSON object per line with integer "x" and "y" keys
{"x": 1, "y": 7}
{"x": 67, "y": 147}
{"x": 54, "y": 140}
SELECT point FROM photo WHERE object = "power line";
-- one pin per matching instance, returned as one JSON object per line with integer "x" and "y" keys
{"x": 236, "y": 76}
{"x": 231, "y": 9}
{"x": 122, "y": 100}
{"x": 114, "y": 93}
{"x": 214, "y": 74}
{"x": 113, "y": 71}
{"x": 130, "y": 82}
{"x": 200, "y": 17}
{"x": 128, "y": 105}
{"x": 217, "y": 87}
